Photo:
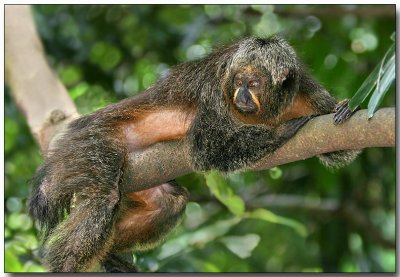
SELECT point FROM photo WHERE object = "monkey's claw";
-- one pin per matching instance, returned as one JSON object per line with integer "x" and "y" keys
{"x": 343, "y": 112}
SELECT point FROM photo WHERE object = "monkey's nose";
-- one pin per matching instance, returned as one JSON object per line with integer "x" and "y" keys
{"x": 243, "y": 96}
{"x": 244, "y": 102}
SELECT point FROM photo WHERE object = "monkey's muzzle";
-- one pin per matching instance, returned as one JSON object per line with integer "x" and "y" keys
{"x": 244, "y": 100}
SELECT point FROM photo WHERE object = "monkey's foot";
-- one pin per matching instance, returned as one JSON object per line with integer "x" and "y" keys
{"x": 115, "y": 263}
{"x": 342, "y": 112}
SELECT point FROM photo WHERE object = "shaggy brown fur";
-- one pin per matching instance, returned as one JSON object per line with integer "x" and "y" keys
{"x": 234, "y": 106}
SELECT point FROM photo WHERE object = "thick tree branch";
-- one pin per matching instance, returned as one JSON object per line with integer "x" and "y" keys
{"x": 165, "y": 161}
{"x": 37, "y": 91}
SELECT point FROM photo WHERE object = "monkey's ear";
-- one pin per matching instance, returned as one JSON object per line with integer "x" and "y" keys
{"x": 287, "y": 80}
{"x": 280, "y": 75}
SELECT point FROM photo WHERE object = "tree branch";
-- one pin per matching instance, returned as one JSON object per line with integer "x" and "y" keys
{"x": 168, "y": 160}
{"x": 35, "y": 88}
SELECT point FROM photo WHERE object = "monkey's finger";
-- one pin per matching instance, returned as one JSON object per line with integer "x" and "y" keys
{"x": 339, "y": 118}
{"x": 343, "y": 112}
{"x": 342, "y": 109}
{"x": 340, "y": 105}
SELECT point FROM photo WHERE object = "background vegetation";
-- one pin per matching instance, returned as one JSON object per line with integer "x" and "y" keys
{"x": 296, "y": 217}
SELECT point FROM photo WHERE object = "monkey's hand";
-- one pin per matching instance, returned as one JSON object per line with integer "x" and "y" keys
{"x": 288, "y": 129}
{"x": 343, "y": 112}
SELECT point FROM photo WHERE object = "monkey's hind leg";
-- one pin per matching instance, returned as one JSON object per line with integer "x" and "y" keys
{"x": 84, "y": 238}
{"x": 343, "y": 157}
{"x": 145, "y": 219}
{"x": 121, "y": 262}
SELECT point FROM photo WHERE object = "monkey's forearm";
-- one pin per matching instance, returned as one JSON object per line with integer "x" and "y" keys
{"x": 315, "y": 95}
{"x": 240, "y": 146}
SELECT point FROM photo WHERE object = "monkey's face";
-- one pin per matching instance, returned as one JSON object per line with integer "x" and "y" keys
{"x": 247, "y": 91}
{"x": 262, "y": 79}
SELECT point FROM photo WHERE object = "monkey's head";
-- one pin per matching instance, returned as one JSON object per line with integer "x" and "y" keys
{"x": 248, "y": 88}
{"x": 261, "y": 77}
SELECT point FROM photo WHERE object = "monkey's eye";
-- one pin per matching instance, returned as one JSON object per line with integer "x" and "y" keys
{"x": 238, "y": 82}
{"x": 253, "y": 83}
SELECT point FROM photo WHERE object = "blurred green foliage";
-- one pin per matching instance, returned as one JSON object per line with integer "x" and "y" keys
{"x": 342, "y": 220}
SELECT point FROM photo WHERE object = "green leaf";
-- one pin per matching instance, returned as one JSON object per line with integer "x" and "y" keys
{"x": 393, "y": 36}
{"x": 242, "y": 246}
{"x": 219, "y": 187}
{"x": 372, "y": 80}
{"x": 364, "y": 90}
{"x": 210, "y": 233}
{"x": 388, "y": 76}
{"x": 198, "y": 238}
{"x": 269, "y": 216}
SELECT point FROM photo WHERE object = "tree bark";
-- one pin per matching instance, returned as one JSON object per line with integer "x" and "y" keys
{"x": 35, "y": 88}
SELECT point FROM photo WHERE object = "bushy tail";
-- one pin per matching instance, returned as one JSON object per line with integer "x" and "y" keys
{"x": 338, "y": 158}
{"x": 47, "y": 206}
